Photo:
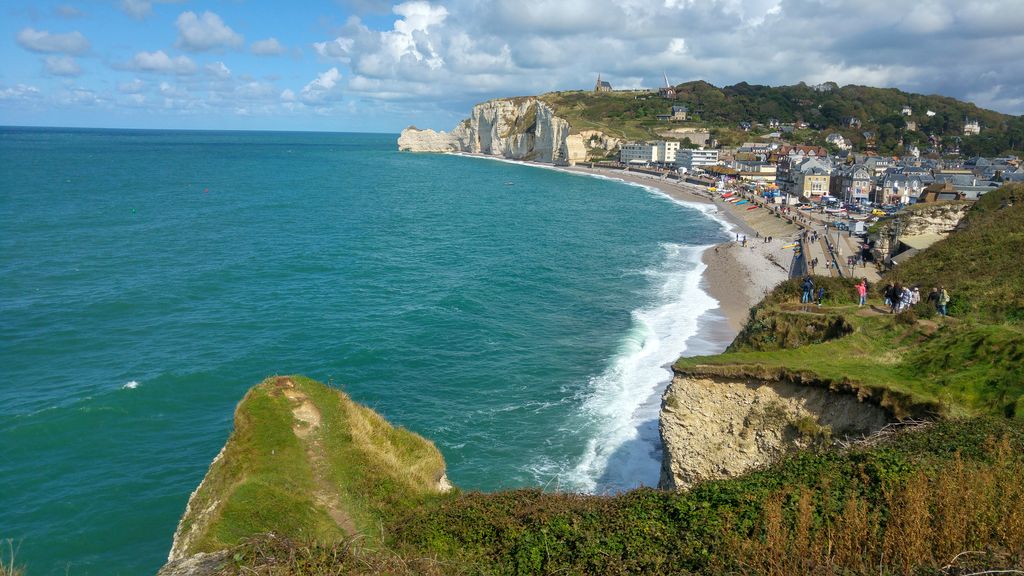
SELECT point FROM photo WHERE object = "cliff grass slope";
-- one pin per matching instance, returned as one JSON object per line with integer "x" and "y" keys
{"x": 305, "y": 462}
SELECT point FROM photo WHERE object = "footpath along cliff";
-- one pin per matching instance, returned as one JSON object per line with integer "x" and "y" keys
{"x": 514, "y": 128}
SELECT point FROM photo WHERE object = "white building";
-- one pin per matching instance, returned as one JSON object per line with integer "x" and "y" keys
{"x": 691, "y": 159}
{"x": 663, "y": 152}
{"x": 836, "y": 139}
{"x": 972, "y": 128}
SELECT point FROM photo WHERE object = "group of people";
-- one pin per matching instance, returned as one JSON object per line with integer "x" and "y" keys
{"x": 898, "y": 298}
{"x": 901, "y": 298}
{"x": 809, "y": 295}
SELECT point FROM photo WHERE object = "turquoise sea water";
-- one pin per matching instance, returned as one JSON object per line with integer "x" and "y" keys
{"x": 519, "y": 317}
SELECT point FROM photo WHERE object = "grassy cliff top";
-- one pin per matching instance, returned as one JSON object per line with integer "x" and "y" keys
{"x": 306, "y": 462}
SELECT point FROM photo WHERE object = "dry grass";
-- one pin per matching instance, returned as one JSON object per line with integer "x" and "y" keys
{"x": 7, "y": 553}
{"x": 956, "y": 519}
{"x": 270, "y": 555}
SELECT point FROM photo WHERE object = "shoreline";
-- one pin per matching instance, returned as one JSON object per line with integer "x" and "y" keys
{"x": 737, "y": 277}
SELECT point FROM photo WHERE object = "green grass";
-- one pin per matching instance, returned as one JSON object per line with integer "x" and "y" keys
{"x": 263, "y": 481}
{"x": 648, "y": 531}
{"x": 980, "y": 265}
{"x": 267, "y": 480}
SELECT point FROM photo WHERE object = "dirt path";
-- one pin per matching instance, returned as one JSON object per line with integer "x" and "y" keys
{"x": 306, "y": 426}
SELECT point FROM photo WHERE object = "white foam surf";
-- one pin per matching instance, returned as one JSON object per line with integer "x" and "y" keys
{"x": 130, "y": 385}
{"x": 621, "y": 412}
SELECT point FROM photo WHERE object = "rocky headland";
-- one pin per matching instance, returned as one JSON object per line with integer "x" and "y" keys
{"x": 514, "y": 128}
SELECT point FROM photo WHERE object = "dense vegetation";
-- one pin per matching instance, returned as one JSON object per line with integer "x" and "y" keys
{"x": 916, "y": 499}
{"x": 934, "y": 497}
{"x": 633, "y": 115}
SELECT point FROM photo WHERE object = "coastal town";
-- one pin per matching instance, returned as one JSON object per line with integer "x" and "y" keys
{"x": 837, "y": 195}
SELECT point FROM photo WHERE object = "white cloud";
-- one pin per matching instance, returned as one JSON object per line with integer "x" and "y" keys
{"x": 138, "y": 9}
{"x": 67, "y": 11}
{"x": 268, "y": 47}
{"x": 133, "y": 86}
{"x": 218, "y": 70}
{"x": 62, "y": 66}
{"x": 206, "y": 32}
{"x": 260, "y": 91}
{"x": 337, "y": 49}
{"x": 41, "y": 41}
{"x": 19, "y": 92}
{"x": 141, "y": 9}
{"x": 161, "y": 63}
{"x": 324, "y": 88}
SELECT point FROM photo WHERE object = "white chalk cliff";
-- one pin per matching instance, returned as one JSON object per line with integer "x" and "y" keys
{"x": 515, "y": 128}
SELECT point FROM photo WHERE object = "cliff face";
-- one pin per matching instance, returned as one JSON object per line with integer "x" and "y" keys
{"x": 939, "y": 219}
{"x": 515, "y": 128}
{"x": 721, "y": 427}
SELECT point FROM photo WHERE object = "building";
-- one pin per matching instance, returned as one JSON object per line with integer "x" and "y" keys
{"x": 811, "y": 178}
{"x": 901, "y": 187}
{"x": 907, "y": 111}
{"x": 852, "y": 184}
{"x": 836, "y": 139}
{"x": 679, "y": 112}
{"x": 668, "y": 90}
{"x": 637, "y": 153}
{"x": 971, "y": 128}
{"x": 602, "y": 86}
{"x": 696, "y": 158}
{"x": 662, "y": 152}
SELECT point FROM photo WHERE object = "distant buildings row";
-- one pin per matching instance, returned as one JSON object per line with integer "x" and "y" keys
{"x": 810, "y": 173}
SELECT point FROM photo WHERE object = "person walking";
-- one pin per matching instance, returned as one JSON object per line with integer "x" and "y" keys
{"x": 943, "y": 300}
{"x": 808, "y": 289}
{"x": 821, "y": 295}
{"x": 862, "y": 292}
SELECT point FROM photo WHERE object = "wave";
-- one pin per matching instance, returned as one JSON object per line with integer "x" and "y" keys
{"x": 622, "y": 409}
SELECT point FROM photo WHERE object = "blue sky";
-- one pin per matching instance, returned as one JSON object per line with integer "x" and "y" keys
{"x": 378, "y": 66}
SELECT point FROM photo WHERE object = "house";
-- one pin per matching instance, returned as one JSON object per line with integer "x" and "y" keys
{"x": 911, "y": 126}
{"x": 971, "y": 128}
{"x": 853, "y": 122}
{"x": 929, "y": 113}
{"x": 879, "y": 164}
{"x": 679, "y": 112}
{"x": 836, "y": 139}
{"x": 811, "y": 178}
{"x": 602, "y": 86}
{"x": 900, "y": 187}
{"x": 746, "y": 126}
{"x": 907, "y": 111}
{"x": 852, "y": 183}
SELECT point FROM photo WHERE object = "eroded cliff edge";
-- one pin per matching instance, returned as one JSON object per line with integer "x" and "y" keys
{"x": 719, "y": 426}
{"x": 515, "y": 128}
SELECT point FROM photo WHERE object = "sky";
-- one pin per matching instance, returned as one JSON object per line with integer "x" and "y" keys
{"x": 379, "y": 66}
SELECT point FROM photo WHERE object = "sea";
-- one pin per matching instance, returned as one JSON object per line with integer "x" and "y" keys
{"x": 522, "y": 318}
